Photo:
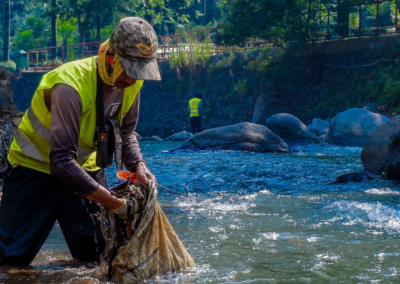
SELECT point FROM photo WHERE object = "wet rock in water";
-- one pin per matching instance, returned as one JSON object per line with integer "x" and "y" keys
{"x": 353, "y": 177}
{"x": 390, "y": 169}
{"x": 290, "y": 128}
{"x": 181, "y": 136}
{"x": 318, "y": 127}
{"x": 353, "y": 126}
{"x": 266, "y": 105}
{"x": 376, "y": 150}
{"x": 243, "y": 136}
{"x": 152, "y": 138}
{"x": 322, "y": 138}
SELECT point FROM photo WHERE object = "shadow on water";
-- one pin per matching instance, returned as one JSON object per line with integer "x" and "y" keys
{"x": 260, "y": 218}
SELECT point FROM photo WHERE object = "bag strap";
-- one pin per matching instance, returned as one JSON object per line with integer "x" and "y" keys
{"x": 100, "y": 120}
{"x": 115, "y": 128}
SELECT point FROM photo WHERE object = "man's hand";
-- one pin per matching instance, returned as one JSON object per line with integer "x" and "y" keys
{"x": 127, "y": 211}
{"x": 143, "y": 174}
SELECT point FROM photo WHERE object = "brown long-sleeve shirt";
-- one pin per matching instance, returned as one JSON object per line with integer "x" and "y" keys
{"x": 66, "y": 109}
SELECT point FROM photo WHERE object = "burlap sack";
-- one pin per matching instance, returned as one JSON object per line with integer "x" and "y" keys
{"x": 153, "y": 250}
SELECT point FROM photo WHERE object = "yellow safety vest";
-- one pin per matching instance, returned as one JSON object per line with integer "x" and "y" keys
{"x": 194, "y": 107}
{"x": 31, "y": 145}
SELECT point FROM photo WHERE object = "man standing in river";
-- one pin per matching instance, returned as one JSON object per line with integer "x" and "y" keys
{"x": 195, "y": 108}
{"x": 52, "y": 174}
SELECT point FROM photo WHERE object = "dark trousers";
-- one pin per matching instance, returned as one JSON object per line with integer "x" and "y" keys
{"x": 195, "y": 123}
{"x": 32, "y": 202}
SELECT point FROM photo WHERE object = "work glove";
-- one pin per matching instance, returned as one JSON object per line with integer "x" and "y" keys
{"x": 128, "y": 210}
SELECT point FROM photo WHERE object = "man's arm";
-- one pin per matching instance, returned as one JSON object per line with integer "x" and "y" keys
{"x": 66, "y": 108}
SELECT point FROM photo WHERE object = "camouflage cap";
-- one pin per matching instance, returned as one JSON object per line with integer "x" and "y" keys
{"x": 135, "y": 42}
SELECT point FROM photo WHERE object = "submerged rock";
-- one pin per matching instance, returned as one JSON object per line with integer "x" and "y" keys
{"x": 376, "y": 150}
{"x": 290, "y": 128}
{"x": 243, "y": 136}
{"x": 353, "y": 126}
{"x": 181, "y": 136}
{"x": 353, "y": 177}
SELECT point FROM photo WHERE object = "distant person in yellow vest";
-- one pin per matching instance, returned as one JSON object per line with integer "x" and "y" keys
{"x": 195, "y": 110}
{"x": 51, "y": 174}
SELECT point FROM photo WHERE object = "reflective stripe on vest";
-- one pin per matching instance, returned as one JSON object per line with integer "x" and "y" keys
{"x": 194, "y": 107}
{"x": 39, "y": 128}
{"x": 27, "y": 147}
{"x": 31, "y": 146}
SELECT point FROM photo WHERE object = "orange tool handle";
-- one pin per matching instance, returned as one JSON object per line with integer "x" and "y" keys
{"x": 125, "y": 175}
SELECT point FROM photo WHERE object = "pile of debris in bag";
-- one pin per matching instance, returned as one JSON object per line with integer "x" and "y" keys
{"x": 10, "y": 117}
{"x": 144, "y": 247}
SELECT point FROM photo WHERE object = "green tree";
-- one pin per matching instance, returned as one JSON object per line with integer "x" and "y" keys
{"x": 34, "y": 33}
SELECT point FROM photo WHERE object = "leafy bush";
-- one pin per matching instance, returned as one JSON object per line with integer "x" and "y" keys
{"x": 194, "y": 53}
{"x": 9, "y": 65}
{"x": 56, "y": 60}
{"x": 391, "y": 92}
{"x": 241, "y": 87}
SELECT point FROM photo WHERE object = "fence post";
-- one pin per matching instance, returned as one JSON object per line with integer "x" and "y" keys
{"x": 216, "y": 36}
{"x": 177, "y": 44}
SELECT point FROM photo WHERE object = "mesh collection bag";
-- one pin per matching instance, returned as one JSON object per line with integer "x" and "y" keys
{"x": 145, "y": 247}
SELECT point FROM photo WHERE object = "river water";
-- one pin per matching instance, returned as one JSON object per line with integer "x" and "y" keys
{"x": 260, "y": 218}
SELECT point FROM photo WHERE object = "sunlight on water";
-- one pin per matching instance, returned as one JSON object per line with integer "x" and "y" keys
{"x": 260, "y": 218}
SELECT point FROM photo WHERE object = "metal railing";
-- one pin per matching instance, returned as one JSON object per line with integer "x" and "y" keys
{"x": 176, "y": 43}
{"x": 50, "y": 57}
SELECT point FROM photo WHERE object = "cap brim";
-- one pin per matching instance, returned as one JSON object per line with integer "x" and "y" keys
{"x": 141, "y": 69}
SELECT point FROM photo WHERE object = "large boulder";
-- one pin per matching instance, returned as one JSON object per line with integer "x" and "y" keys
{"x": 243, "y": 136}
{"x": 390, "y": 168}
{"x": 376, "y": 150}
{"x": 318, "y": 127}
{"x": 290, "y": 128}
{"x": 181, "y": 136}
{"x": 266, "y": 105}
{"x": 353, "y": 126}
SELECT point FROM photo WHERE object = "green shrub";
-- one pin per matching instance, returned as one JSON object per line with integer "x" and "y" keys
{"x": 57, "y": 60}
{"x": 241, "y": 87}
{"x": 9, "y": 65}
{"x": 391, "y": 91}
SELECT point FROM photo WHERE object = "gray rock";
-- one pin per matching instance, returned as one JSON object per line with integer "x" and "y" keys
{"x": 376, "y": 150}
{"x": 243, "y": 136}
{"x": 181, "y": 136}
{"x": 318, "y": 127}
{"x": 151, "y": 138}
{"x": 353, "y": 126}
{"x": 266, "y": 106}
{"x": 289, "y": 128}
{"x": 322, "y": 138}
